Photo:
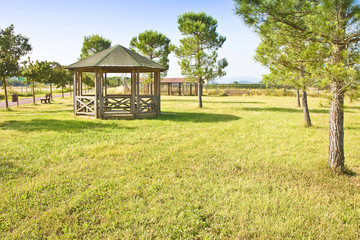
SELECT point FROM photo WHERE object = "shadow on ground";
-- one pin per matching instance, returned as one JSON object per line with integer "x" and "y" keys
{"x": 59, "y": 125}
{"x": 9, "y": 170}
{"x": 291, "y": 110}
{"x": 196, "y": 117}
{"x": 209, "y": 101}
{"x": 352, "y": 107}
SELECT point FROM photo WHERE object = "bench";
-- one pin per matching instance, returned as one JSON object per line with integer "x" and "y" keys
{"x": 46, "y": 99}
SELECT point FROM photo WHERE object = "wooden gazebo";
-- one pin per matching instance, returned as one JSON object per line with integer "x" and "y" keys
{"x": 117, "y": 59}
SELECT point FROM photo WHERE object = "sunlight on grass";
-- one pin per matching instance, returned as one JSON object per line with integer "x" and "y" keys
{"x": 240, "y": 168}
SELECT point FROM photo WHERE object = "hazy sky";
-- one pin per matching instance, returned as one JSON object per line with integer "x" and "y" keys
{"x": 57, "y": 28}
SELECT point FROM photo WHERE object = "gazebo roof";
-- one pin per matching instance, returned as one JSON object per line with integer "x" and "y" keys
{"x": 116, "y": 57}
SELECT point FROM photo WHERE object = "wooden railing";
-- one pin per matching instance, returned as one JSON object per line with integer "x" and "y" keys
{"x": 117, "y": 103}
{"x": 148, "y": 103}
{"x": 85, "y": 105}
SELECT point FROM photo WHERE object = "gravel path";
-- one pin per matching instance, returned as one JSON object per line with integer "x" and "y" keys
{"x": 28, "y": 100}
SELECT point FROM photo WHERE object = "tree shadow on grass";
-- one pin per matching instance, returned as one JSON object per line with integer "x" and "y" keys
{"x": 9, "y": 170}
{"x": 196, "y": 117}
{"x": 352, "y": 107}
{"x": 289, "y": 110}
{"x": 232, "y": 102}
{"x": 352, "y": 127}
{"x": 207, "y": 101}
{"x": 58, "y": 125}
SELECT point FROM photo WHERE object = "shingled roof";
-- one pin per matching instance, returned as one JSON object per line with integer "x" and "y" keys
{"x": 117, "y": 57}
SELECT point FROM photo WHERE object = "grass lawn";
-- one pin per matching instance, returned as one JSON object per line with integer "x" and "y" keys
{"x": 242, "y": 167}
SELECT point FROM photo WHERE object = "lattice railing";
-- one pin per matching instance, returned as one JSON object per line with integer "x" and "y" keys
{"x": 117, "y": 103}
{"x": 85, "y": 105}
{"x": 148, "y": 104}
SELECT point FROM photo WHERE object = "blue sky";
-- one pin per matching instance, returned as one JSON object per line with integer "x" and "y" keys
{"x": 56, "y": 28}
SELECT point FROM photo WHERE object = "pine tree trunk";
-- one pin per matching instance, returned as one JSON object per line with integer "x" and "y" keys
{"x": 5, "y": 92}
{"x": 306, "y": 109}
{"x": 62, "y": 91}
{"x": 298, "y": 97}
{"x": 336, "y": 129}
{"x": 200, "y": 93}
{"x": 33, "y": 90}
{"x": 336, "y": 158}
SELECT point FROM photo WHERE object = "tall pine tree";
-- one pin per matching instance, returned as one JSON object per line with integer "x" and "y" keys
{"x": 198, "y": 49}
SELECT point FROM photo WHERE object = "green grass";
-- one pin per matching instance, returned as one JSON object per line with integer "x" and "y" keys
{"x": 241, "y": 168}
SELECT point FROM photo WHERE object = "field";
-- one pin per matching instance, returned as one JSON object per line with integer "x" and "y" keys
{"x": 241, "y": 168}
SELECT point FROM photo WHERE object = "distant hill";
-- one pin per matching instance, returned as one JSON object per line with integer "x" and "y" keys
{"x": 244, "y": 80}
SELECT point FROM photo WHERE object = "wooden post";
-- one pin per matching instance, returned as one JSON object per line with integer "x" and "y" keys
{"x": 75, "y": 104}
{"x": 179, "y": 89}
{"x": 157, "y": 91}
{"x": 106, "y": 85}
{"x": 101, "y": 95}
{"x": 96, "y": 94}
{"x": 138, "y": 93}
{"x": 190, "y": 89}
{"x": 183, "y": 87}
{"x": 155, "y": 83}
{"x": 169, "y": 89}
{"x": 132, "y": 101}
{"x": 80, "y": 91}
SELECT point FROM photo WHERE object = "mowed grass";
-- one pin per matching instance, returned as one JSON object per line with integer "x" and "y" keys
{"x": 240, "y": 168}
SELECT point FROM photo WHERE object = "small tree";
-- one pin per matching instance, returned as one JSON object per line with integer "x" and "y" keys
{"x": 61, "y": 77}
{"x": 93, "y": 44}
{"x": 49, "y": 72}
{"x": 154, "y": 45}
{"x": 198, "y": 49}
{"x": 31, "y": 73}
{"x": 12, "y": 48}
{"x": 288, "y": 57}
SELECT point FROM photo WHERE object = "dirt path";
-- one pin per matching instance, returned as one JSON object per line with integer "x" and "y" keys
{"x": 28, "y": 100}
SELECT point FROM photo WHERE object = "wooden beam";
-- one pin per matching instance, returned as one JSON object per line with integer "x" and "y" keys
{"x": 158, "y": 92}
{"x": 74, "y": 76}
{"x": 101, "y": 94}
{"x": 96, "y": 95}
{"x": 80, "y": 84}
{"x": 138, "y": 93}
{"x": 106, "y": 85}
{"x": 155, "y": 83}
{"x": 133, "y": 93}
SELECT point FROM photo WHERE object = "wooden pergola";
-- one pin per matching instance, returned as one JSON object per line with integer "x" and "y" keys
{"x": 117, "y": 59}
